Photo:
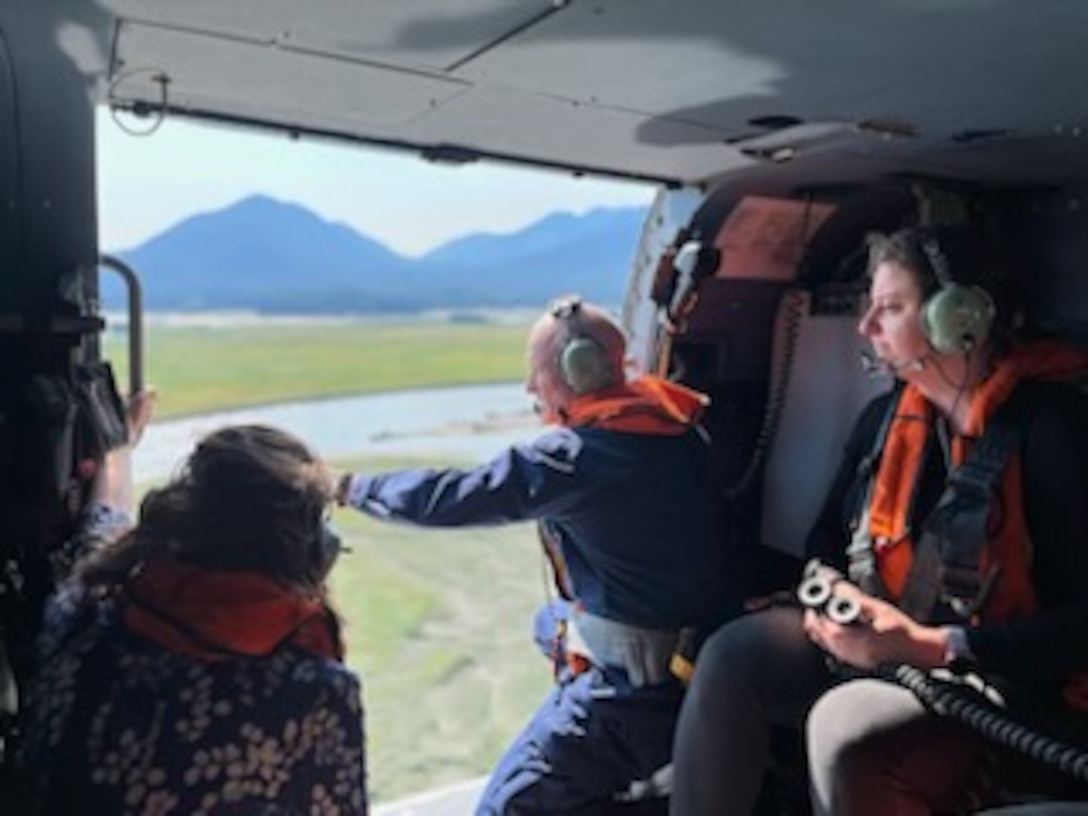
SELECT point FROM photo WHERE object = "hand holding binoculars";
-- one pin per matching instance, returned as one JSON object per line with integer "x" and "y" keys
{"x": 817, "y": 591}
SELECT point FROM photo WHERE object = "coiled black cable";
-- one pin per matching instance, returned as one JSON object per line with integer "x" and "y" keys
{"x": 947, "y": 700}
{"x": 795, "y": 304}
{"x": 943, "y": 698}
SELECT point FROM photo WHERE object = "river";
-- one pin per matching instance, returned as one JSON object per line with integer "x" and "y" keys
{"x": 465, "y": 422}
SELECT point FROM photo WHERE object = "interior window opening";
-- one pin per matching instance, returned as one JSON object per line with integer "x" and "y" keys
{"x": 401, "y": 344}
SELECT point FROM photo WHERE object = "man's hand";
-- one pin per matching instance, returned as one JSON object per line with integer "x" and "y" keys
{"x": 343, "y": 487}
{"x": 882, "y": 634}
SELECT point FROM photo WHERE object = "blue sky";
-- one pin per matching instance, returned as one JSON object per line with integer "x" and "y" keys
{"x": 148, "y": 183}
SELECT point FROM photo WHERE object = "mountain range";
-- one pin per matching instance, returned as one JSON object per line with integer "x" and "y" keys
{"x": 270, "y": 256}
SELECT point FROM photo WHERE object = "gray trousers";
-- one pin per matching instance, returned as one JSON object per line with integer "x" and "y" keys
{"x": 872, "y": 748}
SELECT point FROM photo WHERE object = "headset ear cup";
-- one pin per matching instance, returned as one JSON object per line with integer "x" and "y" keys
{"x": 957, "y": 318}
{"x": 583, "y": 366}
{"x": 325, "y": 550}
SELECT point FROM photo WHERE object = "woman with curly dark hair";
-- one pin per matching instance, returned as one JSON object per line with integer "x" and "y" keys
{"x": 193, "y": 664}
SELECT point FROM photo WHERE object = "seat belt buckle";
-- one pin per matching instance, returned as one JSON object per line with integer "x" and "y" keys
{"x": 964, "y": 593}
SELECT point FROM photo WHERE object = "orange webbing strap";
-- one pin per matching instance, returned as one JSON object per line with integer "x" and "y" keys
{"x": 560, "y": 576}
{"x": 566, "y": 664}
{"x": 682, "y": 662}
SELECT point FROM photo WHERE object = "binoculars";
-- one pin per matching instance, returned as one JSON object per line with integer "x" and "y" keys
{"x": 817, "y": 591}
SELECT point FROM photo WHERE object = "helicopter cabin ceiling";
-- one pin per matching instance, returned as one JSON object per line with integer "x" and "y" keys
{"x": 676, "y": 91}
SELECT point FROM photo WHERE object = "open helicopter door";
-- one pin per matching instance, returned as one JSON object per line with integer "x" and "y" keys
{"x": 58, "y": 408}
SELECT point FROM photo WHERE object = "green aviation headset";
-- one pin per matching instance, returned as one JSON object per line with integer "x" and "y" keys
{"x": 956, "y": 318}
{"x": 583, "y": 363}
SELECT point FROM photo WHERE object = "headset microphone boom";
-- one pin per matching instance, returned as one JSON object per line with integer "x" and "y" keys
{"x": 874, "y": 365}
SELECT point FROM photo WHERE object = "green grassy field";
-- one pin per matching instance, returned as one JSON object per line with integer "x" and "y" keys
{"x": 438, "y": 623}
{"x": 199, "y": 369}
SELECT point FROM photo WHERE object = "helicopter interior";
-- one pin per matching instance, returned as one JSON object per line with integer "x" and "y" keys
{"x": 779, "y": 136}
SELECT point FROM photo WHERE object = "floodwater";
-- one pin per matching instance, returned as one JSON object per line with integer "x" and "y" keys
{"x": 464, "y": 422}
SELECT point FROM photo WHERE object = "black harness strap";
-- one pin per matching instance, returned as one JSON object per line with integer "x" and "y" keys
{"x": 944, "y": 584}
{"x": 861, "y": 557}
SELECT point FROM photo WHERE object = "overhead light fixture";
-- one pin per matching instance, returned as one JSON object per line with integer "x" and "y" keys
{"x": 982, "y": 135}
{"x": 778, "y": 155}
{"x": 449, "y": 154}
{"x": 886, "y": 128}
{"x": 775, "y": 121}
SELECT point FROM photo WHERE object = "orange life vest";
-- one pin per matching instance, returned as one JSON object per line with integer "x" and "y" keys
{"x": 215, "y": 615}
{"x": 1010, "y": 545}
{"x": 647, "y": 405}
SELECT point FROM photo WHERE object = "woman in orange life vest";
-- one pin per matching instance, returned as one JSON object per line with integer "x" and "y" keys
{"x": 192, "y": 665}
{"x": 1020, "y": 609}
